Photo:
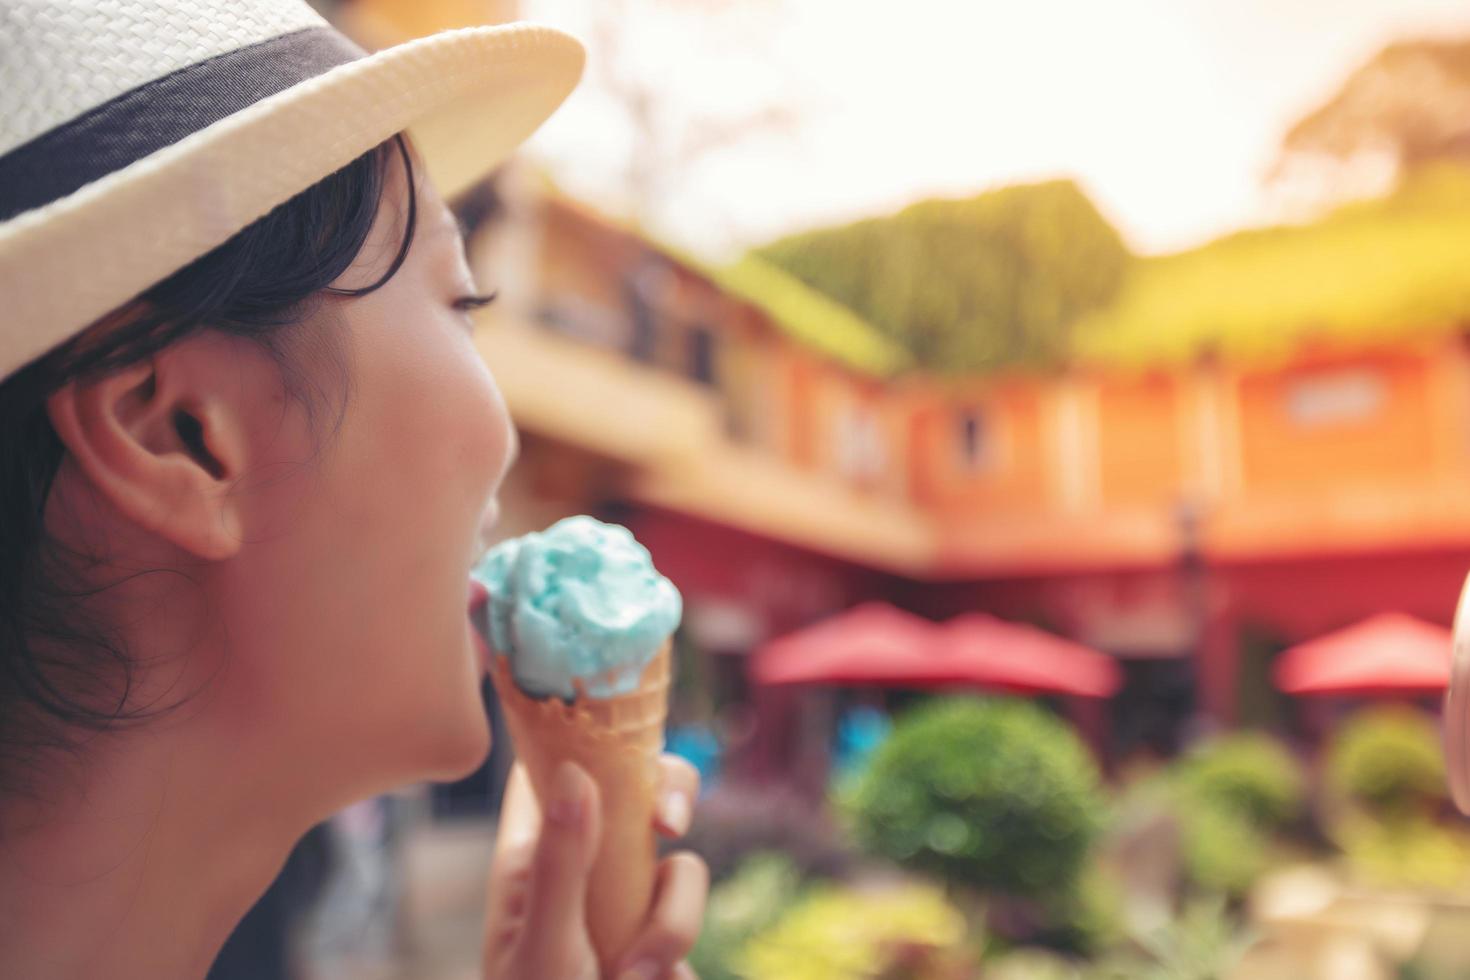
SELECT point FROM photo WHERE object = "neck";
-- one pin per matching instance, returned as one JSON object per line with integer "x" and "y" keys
{"x": 137, "y": 862}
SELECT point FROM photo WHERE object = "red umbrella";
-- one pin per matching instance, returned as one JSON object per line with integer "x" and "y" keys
{"x": 878, "y": 644}
{"x": 874, "y": 643}
{"x": 1026, "y": 660}
{"x": 1388, "y": 653}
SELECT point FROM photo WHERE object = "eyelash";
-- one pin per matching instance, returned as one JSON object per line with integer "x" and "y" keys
{"x": 466, "y": 303}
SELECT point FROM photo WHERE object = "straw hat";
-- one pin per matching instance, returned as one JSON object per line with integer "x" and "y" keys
{"x": 136, "y": 135}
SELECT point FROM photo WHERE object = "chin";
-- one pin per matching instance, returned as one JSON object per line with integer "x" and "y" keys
{"x": 461, "y": 749}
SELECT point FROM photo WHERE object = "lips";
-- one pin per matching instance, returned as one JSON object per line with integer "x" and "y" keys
{"x": 478, "y": 596}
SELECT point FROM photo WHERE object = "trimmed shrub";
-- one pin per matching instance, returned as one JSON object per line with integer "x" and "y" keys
{"x": 1250, "y": 773}
{"x": 1222, "y": 849}
{"x": 1388, "y": 760}
{"x": 991, "y": 794}
{"x": 1409, "y": 851}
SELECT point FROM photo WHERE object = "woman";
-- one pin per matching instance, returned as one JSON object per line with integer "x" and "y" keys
{"x": 245, "y": 463}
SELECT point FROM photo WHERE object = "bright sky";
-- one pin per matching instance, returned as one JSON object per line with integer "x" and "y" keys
{"x": 1168, "y": 111}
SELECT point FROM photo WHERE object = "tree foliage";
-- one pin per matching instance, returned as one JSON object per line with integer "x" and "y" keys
{"x": 1384, "y": 271}
{"x": 994, "y": 281}
{"x": 1411, "y": 100}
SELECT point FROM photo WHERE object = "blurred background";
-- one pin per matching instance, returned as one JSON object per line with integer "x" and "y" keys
{"x": 1057, "y": 419}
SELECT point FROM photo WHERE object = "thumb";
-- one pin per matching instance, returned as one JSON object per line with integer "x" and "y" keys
{"x": 556, "y": 921}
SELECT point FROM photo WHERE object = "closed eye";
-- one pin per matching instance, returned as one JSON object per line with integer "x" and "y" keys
{"x": 467, "y": 303}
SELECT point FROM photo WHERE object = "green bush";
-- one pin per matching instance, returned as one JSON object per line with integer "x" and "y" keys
{"x": 750, "y": 901}
{"x": 849, "y": 934}
{"x": 990, "y": 794}
{"x": 1228, "y": 795}
{"x": 1250, "y": 773}
{"x": 1409, "y": 851}
{"x": 1388, "y": 760}
{"x": 1222, "y": 850}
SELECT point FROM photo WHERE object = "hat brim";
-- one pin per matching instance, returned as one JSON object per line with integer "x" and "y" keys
{"x": 468, "y": 98}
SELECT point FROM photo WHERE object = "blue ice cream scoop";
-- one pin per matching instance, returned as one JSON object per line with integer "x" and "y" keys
{"x": 578, "y": 601}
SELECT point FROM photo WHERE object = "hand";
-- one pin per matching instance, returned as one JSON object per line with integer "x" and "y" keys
{"x": 535, "y": 924}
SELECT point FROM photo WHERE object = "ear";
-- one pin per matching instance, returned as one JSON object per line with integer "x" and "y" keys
{"x": 164, "y": 440}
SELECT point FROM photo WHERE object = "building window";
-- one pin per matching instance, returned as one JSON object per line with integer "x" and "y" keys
{"x": 974, "y": 439}
{"x": 647, "y": 289}
{"x": 702, "y": 355}
{"x": 1338, "y": 398}
{"x": 643, "y": 339}
{"x": 860, "y": 450}
{"x": 582, "y": 319}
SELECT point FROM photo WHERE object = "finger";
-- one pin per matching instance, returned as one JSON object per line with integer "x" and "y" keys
{"x": 678, "y": 789}
{"x": 510, "y": 864}
{"x": 674, "y": 921}
{"x": 520, "y": 813}
{"x": 685, "y": 972}
{"x": 571, "y": 825}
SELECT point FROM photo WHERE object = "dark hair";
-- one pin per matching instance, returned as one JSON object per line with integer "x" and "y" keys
{"x": 60, "y": 676}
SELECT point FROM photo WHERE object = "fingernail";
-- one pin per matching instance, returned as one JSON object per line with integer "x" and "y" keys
{"x": 676, "y": 811}
{"x": 642, "y": 970}
{"x": 568, "y": 795}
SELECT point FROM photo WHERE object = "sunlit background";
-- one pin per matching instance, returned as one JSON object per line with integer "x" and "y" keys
{"x": 1057, "y": 419}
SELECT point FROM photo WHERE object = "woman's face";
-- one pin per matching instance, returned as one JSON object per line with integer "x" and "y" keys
{"x": 350, "y": 594}
{"x": 330, "y": 639}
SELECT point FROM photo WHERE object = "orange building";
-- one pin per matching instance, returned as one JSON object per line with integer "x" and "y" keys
{"x": 1189, "y": 517}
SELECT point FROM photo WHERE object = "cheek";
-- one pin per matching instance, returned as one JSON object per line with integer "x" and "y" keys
{"x": 429, "y": 443}
{"x": 485, "y": 432}
{"x": 442, "y": 437}
{"x": 442, "y": 449}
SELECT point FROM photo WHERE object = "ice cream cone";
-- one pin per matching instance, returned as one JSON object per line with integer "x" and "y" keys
{"x": 617, "y": 740}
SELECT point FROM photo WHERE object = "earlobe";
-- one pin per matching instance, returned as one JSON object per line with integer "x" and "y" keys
{"x": 164, "y": 457}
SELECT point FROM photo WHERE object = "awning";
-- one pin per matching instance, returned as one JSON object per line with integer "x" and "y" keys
{"x": 1386, "y": 654}
{"x": 1026, "y": 660}
{"x": 874, "y": 643}
{"x": 880, "y": 645}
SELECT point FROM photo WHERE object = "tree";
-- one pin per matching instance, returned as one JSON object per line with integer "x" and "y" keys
{"x": 994, "y": 281}
{"x": 1407, "y": 106}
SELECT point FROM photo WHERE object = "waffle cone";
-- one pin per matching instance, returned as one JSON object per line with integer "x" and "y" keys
{"x": 617, "y": 741}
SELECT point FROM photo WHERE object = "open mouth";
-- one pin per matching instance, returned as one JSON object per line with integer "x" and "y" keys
{"x": 479, "y": 598}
